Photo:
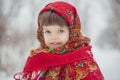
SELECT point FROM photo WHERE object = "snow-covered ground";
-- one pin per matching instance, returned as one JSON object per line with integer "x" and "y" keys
{"x": 108, "y": 61}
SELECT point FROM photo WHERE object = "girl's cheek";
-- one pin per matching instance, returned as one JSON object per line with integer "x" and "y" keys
{"x": 46, "y": 37}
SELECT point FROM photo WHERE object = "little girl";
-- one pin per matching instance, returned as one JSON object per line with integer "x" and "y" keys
{"x": 64, "y": 53}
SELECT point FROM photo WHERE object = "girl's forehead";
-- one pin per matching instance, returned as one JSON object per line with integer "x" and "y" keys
{"x": 54, "y": 26}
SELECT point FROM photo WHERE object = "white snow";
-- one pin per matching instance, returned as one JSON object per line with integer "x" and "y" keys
{"x": 108, "y": 61}
{"x": 98, "y": 13}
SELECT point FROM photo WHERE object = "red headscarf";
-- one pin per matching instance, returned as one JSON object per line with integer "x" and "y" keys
{"x": 66, "y": 10}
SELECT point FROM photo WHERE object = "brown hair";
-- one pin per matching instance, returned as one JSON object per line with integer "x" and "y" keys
{"x": 48, "y": 18}
{"x": 51, "y": 18}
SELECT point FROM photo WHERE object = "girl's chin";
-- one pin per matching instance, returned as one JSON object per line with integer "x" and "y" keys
{"x": 55, "y": 47}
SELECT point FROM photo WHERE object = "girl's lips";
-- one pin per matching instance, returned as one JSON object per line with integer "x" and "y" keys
{"x": 55, "y": 43}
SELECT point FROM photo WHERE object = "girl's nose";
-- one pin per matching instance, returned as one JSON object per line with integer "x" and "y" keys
{"x": 54, "y": 37}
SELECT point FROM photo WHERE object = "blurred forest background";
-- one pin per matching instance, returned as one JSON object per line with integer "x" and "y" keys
{"x": 100, "y": 20}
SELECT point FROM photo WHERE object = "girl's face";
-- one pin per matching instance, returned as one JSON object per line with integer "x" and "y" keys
{"x": 55, "y": 36}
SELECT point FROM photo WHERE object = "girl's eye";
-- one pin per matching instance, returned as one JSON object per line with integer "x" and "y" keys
{"x": 47, "y": 32}
{"x": 61, "y": 31}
